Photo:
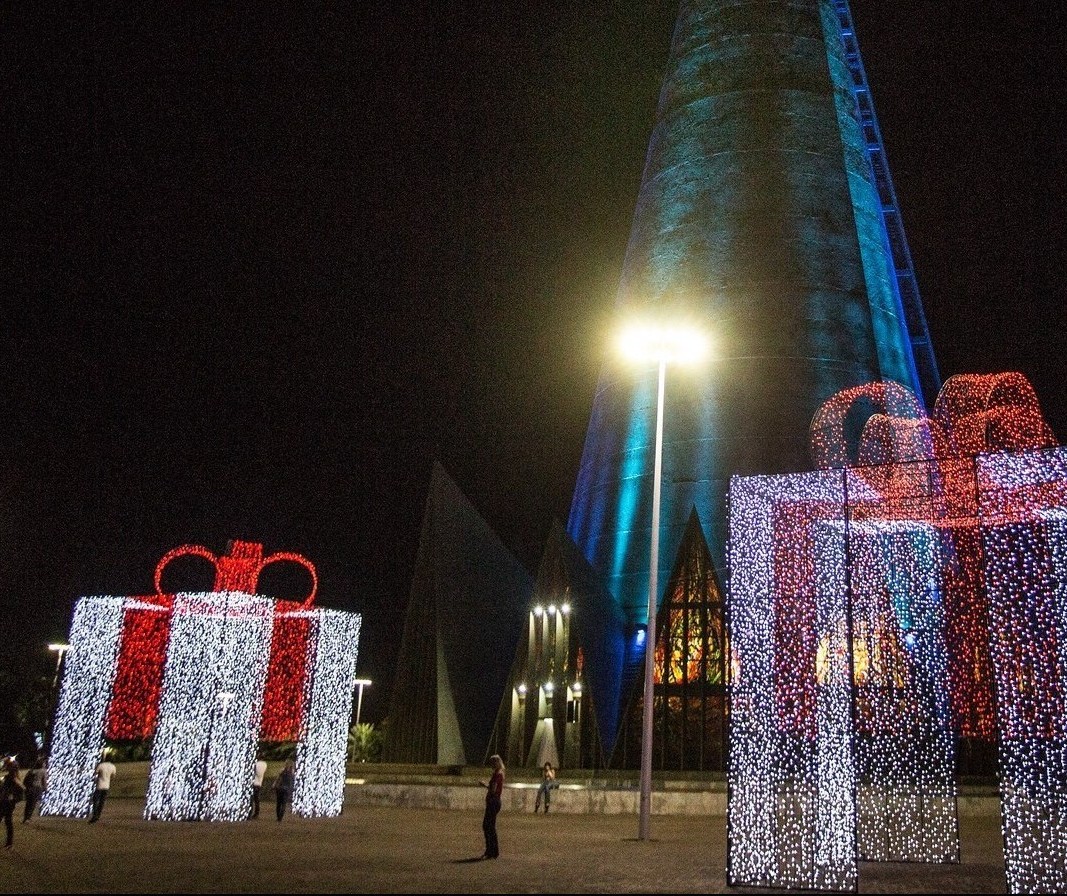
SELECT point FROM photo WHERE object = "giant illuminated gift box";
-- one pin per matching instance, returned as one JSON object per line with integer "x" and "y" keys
{"x": 867, "y": 625}
{"x": 207, "y": 676}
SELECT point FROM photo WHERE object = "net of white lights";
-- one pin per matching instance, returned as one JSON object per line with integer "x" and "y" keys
{"x": 210, "y": 707}
{"x": 904, "y": 747}
{"x": 790, "y": 812}
{"x": 834, "y": 808}
{"x": 329, "y": 687}
{"x": 840, "y": 741}
{"x": 85, "y": 694}
{"x": 1024, "y": 507}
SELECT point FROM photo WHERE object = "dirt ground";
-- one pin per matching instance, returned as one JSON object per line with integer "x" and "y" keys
{"x": 378, "y": 849}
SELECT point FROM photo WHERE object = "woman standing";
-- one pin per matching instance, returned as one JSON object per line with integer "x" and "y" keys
{"x": 494, "y": 790}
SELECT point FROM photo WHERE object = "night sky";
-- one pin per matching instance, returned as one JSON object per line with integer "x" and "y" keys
{"x": 263, "y": 266}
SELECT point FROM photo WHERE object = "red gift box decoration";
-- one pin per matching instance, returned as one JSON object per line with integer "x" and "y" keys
{"x": 132, "y": 713}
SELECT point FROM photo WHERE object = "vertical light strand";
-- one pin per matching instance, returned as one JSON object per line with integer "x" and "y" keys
{"x": 333, "y": 648}
{"x": 833, "y": 815}
{"x": 789, "y": 771}
{"x": 1024, "y": 527}
{"x": 210, "y": 707}
{"x": 85, "y": 693}
{"x": 905, "y": 752}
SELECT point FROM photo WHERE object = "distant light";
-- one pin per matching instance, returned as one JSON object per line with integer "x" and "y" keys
{"x": 577, "y": 687}
{"x": 551, "y": 609}
{"x": 538, "y": 610}
{"x": 549, "y": 687}
{"x": 640, "y": 636}
{"x": 522, "y": 689}
{"x": 565, "y": 609}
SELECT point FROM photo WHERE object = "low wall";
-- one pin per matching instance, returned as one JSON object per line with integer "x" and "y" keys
{"x": 569, "y": 798}
{"x": 582, "y": 799}
{"x": 436, "y": 787}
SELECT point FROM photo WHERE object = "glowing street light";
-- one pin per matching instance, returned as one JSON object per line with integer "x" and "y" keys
{"x": 209, "y": 785}
{"x": 660, "y": 345}
{"x": 361, "y": 683}
{"x": 60, "y": 650}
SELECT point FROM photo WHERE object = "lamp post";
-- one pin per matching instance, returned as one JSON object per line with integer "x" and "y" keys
{"x": 209, "y": 784}
{"x": 360, "y": 683}
{"x": 661, "y": 345}
{"x": 60, "y": 650}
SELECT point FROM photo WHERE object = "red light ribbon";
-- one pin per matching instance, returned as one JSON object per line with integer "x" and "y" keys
{"x": 239, "y": 569}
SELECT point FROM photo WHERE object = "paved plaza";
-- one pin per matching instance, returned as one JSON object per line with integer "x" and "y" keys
{"x": 403, "y": 849}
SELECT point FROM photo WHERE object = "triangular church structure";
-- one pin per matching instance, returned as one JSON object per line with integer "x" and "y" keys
{"x": 469, "y": 597}
{"x": 561, "y": 694}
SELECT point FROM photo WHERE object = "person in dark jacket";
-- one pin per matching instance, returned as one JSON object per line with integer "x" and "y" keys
{"x": 34, "y": 781}
{"x": 11, "y": 792}
{"x": 494, "y": 789}
{"x": 283, "y": 787}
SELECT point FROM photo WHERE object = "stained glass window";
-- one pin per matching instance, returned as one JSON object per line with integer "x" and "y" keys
{"x": 689, "y": 716}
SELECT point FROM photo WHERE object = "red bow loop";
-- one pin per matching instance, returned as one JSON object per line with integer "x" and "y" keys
{"x": 989, "y": 412}
{"x": 828, "y": 433}
{"x": 182, "y": 551}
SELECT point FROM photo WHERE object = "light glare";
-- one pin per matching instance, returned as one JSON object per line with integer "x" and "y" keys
{"x": 671, "y": 344}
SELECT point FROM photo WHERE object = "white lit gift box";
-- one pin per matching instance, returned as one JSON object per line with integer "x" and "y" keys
{"x": 876, "y": 606}
{"x": 207, "y": 676}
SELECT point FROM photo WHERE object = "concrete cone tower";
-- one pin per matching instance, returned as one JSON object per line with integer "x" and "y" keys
{"x": 767, "y": 217}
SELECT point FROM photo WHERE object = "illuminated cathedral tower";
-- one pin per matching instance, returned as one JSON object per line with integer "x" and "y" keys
{"x": 766, "y": 215}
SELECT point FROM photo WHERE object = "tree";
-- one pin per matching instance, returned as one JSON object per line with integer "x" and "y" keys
{"x": 364, "y": 743}
{"x": 25, "y": 706}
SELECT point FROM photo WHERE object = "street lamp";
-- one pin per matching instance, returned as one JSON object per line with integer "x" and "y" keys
{"x": 208, "y": 783}
{"x": 60, "y": 650}
{"x": 360, "y": 683}
{"x": 661, "y": 345}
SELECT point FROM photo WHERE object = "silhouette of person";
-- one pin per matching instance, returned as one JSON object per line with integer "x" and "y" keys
{"x": 34, "y": 781}
{"x": 283, "y": 787}
{"x": 494, "y": 789}
{"x": 257, "y": 784}
{"x": 11, "y": 791}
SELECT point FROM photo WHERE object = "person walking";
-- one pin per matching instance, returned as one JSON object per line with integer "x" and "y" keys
{"x": 259, "y": 773}
{"x": 548, "y": 784}
{"x": 11, "y": 791}
{"x": 494, "y": 789}
{"x": 283, "y": 787}
{"x": 34, "y": 782}
{"x": 105, "y": 771}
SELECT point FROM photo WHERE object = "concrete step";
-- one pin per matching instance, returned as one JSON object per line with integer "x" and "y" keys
{"x": 588, "y": 799}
